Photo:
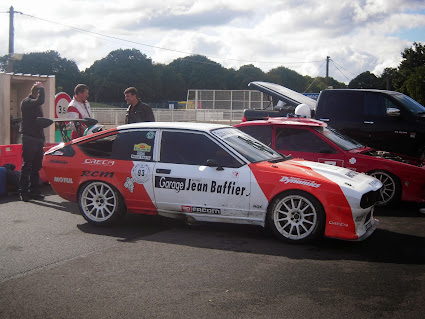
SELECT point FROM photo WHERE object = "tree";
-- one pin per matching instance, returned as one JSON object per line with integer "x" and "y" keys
{"x": 365, "y": 80}
{"x": 415, "y": 84}
{"x": 409, "y": 77}
{"x": 287, "y": 78}
{"x": 246, "y": 74}
{"x": 120, "y": 69}
{"x": 50, "y": 62}
{"x": 198, "y": 72}
{"x": 386, "y": 79}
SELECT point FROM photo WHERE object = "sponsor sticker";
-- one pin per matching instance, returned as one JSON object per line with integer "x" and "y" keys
{"x": 66, "y": 180}
{"x": 140, "y": 173}
{"x": 374, "y": 182}
{"x": 177, "y": 184}
{"x": 223, "y": 133}
{"x": 142, "y": 147}
{"x": 97, "y": 174}
{"x": 194, "y": 185}
{"x": 352, "y": 161}
{"x": 338, "y": 224}
{"x": 299, "y": 181}
{"x": 150, "y": 135}
{"x": 140, "y": 157}
{"x": 351, "y": 174}
{"x": 201, "y": 210}
{"x": 58, "y": 162}
{"x": 93, "y": 161}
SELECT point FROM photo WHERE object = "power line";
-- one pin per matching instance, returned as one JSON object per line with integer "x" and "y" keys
{"x": 315, "y": 78}
{"x": 343, "y": 68}
{"x": 340, "y": 70}
{"x": 162, "y": 48}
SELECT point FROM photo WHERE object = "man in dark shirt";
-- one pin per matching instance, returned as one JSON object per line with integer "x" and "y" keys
{"x": 32, "y": 143}
{"x": 137, "y": 111}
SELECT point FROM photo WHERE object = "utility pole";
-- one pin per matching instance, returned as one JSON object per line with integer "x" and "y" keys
{"x": 327, "y": 71}
{"x": 11, "y": 39}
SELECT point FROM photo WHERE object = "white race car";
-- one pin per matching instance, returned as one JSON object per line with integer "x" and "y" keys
{"x": 213, "y": 173}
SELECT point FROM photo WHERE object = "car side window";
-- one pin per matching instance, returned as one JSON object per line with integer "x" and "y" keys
{"x": 100, "y": 147}
{"x": 375, "y": 105}
{"x": 343, "y": 106}
{"x": 135, "y": 145}
{"x": 193, "y": 149}
{"x": 300, "y": 140}
{"x": 263, "y": 133}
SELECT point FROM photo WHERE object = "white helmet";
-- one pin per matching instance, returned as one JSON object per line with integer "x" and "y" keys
{"x": 303, "y": 110}
{"x": 93, "y": 129}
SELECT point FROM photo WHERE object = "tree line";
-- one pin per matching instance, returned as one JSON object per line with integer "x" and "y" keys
{"x": 108, "y": 77}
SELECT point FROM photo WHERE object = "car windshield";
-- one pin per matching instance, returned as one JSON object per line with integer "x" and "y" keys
{"x": 345, "y": 142}
{"x": 252, "y": 149}
{"x": 410, "y": 103}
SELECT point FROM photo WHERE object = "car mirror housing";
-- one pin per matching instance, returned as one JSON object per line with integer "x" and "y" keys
{"x": 214, "y": 163}
{"x": 392, "y": 111}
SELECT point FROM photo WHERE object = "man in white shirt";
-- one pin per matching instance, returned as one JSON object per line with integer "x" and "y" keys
{"x": 79, "y": 108}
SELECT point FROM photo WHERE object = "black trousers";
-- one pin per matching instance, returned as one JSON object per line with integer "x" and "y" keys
{"x": 32, "y": 155}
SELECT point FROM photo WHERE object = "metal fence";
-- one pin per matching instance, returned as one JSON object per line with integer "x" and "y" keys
{"x": 206, "y": 106}
{"x": 112, "y": 117}
{"x": 226, "y": 99}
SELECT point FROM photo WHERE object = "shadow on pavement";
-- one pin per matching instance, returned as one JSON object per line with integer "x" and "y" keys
{"x": 383, "y": 246}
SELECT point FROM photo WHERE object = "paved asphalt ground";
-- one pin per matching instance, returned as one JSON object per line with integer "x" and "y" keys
{"x": 55, "y": 265}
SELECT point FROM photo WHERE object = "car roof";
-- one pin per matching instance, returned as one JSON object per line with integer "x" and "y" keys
{"x": 205, "y": 127}
{"x": 293, "y": 121}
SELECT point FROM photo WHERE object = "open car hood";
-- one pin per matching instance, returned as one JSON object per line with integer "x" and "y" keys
{"x": 284, "y": 94}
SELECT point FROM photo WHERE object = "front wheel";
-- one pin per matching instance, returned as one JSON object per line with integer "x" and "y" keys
{"x": 391, "y": 189}
{"x": 296, "y": 216}
{"x": 100, "y": 203}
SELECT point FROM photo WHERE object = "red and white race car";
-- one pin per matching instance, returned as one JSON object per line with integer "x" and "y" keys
{"x": 403, "y": 177}
{"x": 212, "y": 173}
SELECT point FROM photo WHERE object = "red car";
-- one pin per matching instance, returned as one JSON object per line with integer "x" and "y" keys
{"x": 403, "y": 177}
{"x": 210, "y": 173}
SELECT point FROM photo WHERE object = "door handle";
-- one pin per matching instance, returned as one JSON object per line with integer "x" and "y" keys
{"x": 163, "y": 171}
{"x": 368, "y": 122}
{"x": 324, "y": 120}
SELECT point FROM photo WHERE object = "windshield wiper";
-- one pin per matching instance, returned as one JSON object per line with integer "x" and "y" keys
{"x": 256, "y": 145}
{"x": 280, "y": 159}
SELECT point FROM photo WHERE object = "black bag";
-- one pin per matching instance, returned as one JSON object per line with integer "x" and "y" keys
{"x": 12, "y": 177}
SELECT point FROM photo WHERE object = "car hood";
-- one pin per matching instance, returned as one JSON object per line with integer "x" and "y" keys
{"x": 284, "y": 94}
{"x": 391, "y": 156}
{"x": 344, "y": 176}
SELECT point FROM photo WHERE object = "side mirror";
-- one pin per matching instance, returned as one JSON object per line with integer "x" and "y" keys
{"x": 214, "y": 163}
{"x": 392, "y": 111}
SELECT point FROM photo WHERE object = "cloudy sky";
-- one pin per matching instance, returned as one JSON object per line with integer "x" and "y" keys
{"x": 367, "y": 35}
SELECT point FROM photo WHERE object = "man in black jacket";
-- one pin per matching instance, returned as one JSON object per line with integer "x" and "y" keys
{"x": 137, "y": 111}
{"x": 32, "y": 143}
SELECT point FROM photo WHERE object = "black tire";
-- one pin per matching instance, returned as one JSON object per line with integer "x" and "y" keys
{"x": 296, "y": 217}
{"x": 391, "y": 189}
{"x": 101, "y": 203}
{"x": 421, "y": 154}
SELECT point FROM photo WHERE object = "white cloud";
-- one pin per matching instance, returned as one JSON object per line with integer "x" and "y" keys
{"x": 358, "y": 35}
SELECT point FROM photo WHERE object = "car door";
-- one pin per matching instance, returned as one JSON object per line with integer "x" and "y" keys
{"x": 306, "y": 144}
{"x": 133, "y": 154}
{"x": 184, "y": 183}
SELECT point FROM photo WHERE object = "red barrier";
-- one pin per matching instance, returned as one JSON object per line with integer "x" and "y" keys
{"x": 12, "y": 154}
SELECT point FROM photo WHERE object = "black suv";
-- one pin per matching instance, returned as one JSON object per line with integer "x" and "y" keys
{"x": 384, "y": 120}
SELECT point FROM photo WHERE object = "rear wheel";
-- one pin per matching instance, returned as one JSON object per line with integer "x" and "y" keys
{"x": 296, "y": 216}
{"x": 100, "y": 203}
{"x": 391, "y": 189}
